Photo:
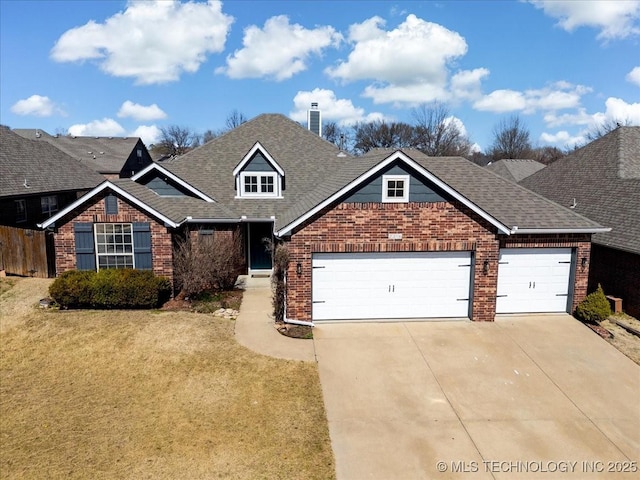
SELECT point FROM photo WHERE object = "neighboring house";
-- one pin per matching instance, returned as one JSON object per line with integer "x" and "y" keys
{"x": 514, "y": 169}
{"x": 37, "y": 180}
{"x": 602, "y": 182}
{"x": 391, "y": 235}
{"x": 111, "y": 157}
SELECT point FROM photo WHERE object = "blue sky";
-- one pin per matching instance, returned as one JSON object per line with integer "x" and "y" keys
{"x": 122, "y": 68}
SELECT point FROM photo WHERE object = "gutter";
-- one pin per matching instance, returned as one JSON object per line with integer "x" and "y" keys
{"x": 516, "y": 230}
{"x": 290, "y": 320}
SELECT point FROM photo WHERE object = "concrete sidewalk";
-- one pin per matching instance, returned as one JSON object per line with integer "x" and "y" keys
{"x": 255, "y": 326}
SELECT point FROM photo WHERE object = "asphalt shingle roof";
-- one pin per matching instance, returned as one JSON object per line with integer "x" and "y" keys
{"x": 43, "y": 167}
{"x": 604, "y": 179}
{"x": 514, "y": 169}
{"x": 106, "y": 155}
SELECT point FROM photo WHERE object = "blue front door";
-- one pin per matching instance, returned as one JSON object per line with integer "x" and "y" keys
{"x": 260, "y": 239}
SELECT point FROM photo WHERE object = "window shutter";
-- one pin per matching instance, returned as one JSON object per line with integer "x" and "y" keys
{"x": 111, "y": 205}
{"x": 142, "y": 246}
{"x": 85, "y": 254}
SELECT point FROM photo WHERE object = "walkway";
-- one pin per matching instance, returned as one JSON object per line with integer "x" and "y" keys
{"x": 255, "y": 326}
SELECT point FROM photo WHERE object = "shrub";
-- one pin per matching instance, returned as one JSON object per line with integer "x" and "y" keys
{"x": 594, "y": 308}
{"x": 207, "y": 264}
{"x": 73, "y": 289}
{"x": 281, "y": 260}
{"x": 110, "y": 288}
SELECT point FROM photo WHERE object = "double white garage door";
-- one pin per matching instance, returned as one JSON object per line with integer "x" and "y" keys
{"x": 404, "y": 285}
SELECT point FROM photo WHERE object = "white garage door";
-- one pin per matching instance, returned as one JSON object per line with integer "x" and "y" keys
{"x": 533, "y": 280}
{"x": 390, "y": 285}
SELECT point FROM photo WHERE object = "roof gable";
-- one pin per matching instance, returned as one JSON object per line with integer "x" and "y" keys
{"x": 515, "y": 170}
{"x": 159, "y": 169}
{"x": 246, "y": 160}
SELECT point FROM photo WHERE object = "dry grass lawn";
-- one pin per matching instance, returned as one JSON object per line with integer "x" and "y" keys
{"x": 140, "y": 394}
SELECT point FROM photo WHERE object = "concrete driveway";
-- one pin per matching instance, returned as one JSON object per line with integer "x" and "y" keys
{"x": 523, "y": 397}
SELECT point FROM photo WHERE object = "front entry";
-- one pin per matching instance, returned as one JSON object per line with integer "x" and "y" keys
{"x": 260, "y": 238}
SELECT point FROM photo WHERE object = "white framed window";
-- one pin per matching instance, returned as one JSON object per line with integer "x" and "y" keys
{"x": 259, "y": 184}
{"x": 395, "y": 188}
{"x": 49, "y": 204}
{"x": 21, "y": 210}
{"x": 114, "y": 245}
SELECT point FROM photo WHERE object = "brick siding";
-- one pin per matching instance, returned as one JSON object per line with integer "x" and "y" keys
{"x": 425, "y": 227}
{"x": 619, "y": 274}
{"x": 161, "y": 236}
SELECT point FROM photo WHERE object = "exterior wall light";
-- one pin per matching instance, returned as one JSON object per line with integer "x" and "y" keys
{"x": 299, "y": 268}
{"x": 583, "y": 262}
{"x": 485, "y": 267}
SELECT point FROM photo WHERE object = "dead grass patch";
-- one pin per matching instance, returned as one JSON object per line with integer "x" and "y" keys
{"x": 137, "y": 394}
{"x": 626, "y": 342}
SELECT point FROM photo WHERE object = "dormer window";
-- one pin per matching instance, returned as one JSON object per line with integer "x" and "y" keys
{"x": 258, "y": 175}
{"x": 395, "y": 188}
{"x": 259, "y": 184}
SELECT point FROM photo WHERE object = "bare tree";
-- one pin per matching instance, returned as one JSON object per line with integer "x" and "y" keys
{"x": 210, "y": 135}
{"x": 235, "y": 119}
{"x": 436, "y": 133}
{"x": 177, "y": 140}
{"x": 335, "y": 134}
{"x": 608, "y": 126}
{"x": 379, "y": 134}
{"x": 547, "y": 155}
{"x": 510, "y": 140}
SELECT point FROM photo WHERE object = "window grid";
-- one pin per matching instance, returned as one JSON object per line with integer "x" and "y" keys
{"x": 256, "y": 184}
{"x": 49, "y": 205}
{"x": 114, "y": 245}
{"x": 395, "y": 188}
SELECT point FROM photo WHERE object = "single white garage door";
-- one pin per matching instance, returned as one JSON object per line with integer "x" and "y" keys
{"x": 390, "y": 285}
{"x": 533, "y": 280}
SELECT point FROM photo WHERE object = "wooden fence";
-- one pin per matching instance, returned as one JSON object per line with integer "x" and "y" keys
{"x": 25, "y": 252}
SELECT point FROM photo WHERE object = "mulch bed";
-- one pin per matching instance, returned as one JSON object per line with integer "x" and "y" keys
{"x": 603, "y": 332}
{"x": 295, "y": 331}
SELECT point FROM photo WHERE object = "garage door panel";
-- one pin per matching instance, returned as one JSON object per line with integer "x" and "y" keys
{"x": 533, "y": 280}
{"x": 391, "y": 285}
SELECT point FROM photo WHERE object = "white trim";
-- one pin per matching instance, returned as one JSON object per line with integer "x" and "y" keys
{"x": 517, "y": 230}
{"x": 276, "y": 185}
{"x": 248, "y": 156}
{"x": 385, "y": 188}
{"x": 398, "y": 155}
{"x": 175, "y": 178}
{"x": 98, "y": 254}
{"x": 116, "y": 189}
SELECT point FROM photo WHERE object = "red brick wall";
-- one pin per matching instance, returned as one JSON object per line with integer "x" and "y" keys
{"x": 364, "y": 227}
{"x": 619, "y": 274}
{"x": 442, "y": 226}
{"x": 161, "y": 247}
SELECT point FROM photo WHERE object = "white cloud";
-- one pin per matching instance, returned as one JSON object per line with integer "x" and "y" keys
{"x": 141, "y": 112}
{"x": 580, "y": 117}
{"x": 563, "y": 138}
{"x": 618, "y": 109}
{"x": 340, "y": 110}
{"x": 149, "y": 134}
{"x": 500, "y": 101}
{"x": 614, "y": 19}
{"x": 465, "y": 85}
{"x": 558, "y": 96}
{"x": 634, "y": 76}
{"x": 279, "y": 50}
{"x": 37, "y": 106}
{"x": 409, "y": 63}
{"x": 152, "y": 41}
{"x": 107, "y": 127}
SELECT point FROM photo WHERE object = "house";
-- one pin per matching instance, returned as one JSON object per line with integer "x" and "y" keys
{"x": 390, "y": 235}
{"x": 602, "y": 182}
{"x": 111, "y": 157}
{"x": 514, "y": 169}
{"x": 37, "y": 180}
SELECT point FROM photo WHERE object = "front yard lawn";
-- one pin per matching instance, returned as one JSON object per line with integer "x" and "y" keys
{"x": 151, "y": 394}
